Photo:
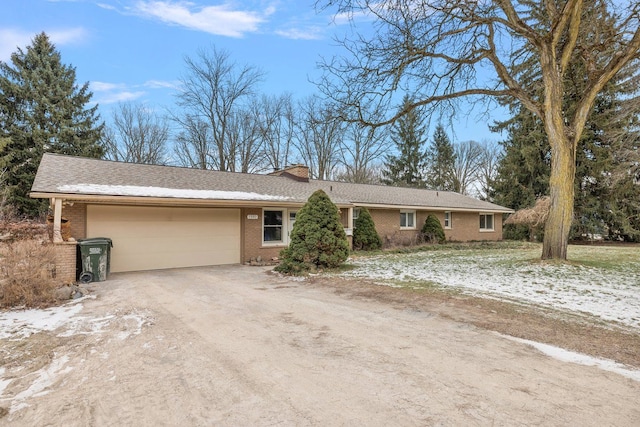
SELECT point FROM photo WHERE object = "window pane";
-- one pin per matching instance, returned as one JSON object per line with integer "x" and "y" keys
{"x": 273, "y": 234}
{"x": 272, "y": 217}
{"x": 489, "y": 222}
{"x": 403, "y": 219}
{"x": 410, "y": 219}
{"x": 482, "y": 222}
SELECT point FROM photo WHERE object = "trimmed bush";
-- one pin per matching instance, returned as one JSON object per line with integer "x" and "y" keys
{"x": 318, "y": 239}
{"x": 365, "y": 236}
{"x": 432, "y": 231}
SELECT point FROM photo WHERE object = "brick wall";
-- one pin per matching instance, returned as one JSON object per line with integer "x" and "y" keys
{"x": 65, "y": 262}
{"x": 77, "y": 216}
{"x": 252, "y": 237}
{"x": 465, "y": 226}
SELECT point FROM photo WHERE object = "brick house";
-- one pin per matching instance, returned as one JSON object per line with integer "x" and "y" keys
{"x": 167, "y": 217}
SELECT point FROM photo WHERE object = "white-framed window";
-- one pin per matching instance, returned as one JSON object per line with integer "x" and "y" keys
{"x": 272, "y": 226}
{"x": 356, "y": 214}
{"x": 486, "y": 222}
{"x": 407, "y": 219}
{"x": 447, "y": 219}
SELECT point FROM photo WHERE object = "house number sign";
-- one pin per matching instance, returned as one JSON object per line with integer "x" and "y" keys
{"x": 252, "y": 216}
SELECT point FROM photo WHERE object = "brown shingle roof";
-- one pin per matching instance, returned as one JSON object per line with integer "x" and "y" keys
{"x": 68, "y": 175}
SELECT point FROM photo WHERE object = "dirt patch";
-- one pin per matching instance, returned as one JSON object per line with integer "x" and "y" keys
{"x": 581, "y": 334}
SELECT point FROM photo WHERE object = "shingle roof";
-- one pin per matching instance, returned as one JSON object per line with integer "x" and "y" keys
{"x": 58, "y": 174}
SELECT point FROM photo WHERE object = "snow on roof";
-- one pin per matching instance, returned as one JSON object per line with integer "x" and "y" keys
{"x": 132, "y": 190}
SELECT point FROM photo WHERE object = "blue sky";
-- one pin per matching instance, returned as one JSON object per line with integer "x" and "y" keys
{"x": 134, "y": 50}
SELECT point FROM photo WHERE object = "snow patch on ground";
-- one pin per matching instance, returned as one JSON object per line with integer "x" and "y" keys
{"x": 581, "y": 359}
{"x": 510, "y": 275}
{"x": 17, "y": 324}
{"x": 44, "y": 378}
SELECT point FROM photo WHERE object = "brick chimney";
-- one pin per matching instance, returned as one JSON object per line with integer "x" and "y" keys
{"x": 295, "y": 172}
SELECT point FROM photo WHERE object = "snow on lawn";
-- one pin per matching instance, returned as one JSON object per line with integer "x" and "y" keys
{"x": 513, "y": 274}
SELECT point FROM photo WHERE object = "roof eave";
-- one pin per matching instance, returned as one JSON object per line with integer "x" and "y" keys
{"x": 148, "y": 200}
{"x": 432, "y": 208}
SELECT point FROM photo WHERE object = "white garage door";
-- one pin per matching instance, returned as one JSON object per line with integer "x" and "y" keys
{"x": 148, "y": 238}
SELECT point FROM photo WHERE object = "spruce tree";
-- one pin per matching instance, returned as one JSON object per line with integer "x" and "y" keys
{"x": 432, "y": 231}
{"x": 441, "y": 160}
{"x": 365, "y": 236}
{"x": 318, "y": 239}
{"x": 408, "y": 135}
{"x": 42, "y": 109}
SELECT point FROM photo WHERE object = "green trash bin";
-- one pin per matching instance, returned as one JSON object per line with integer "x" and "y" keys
{"x": 95, "y": 259}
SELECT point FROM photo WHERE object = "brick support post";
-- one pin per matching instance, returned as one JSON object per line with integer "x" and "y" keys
{"x": 65, "y": 262}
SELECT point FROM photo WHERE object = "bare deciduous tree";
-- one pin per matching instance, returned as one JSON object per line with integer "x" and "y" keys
{"x": 245, "y": 144}
{"x": 137, "y": 135}
{"x": 193, "y": 145}
{"x": 319, "y": 137}
{"x": 361, "y": 148}
{"x": 467, "y": 165}
{"x": 214, "y": 89}
{"x": 276, "y": 126}
{"x": 440, "y": 51}
{"x": 490, "y": 158}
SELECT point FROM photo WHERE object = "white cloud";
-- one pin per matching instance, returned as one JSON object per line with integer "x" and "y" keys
{"x": 112, "y": 98}
{"x": 161, "y": 84}
{"x": 106, "y": 6}
{"x": 111, "y": 93}
{"x": 11, "y": 39}
{"x": 104, "y": 87}
{"x": 310, "y": 33}
{"x": 221, "y": 19}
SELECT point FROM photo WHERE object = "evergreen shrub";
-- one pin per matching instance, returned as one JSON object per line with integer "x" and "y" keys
{"x": 318, "y": 239}
{"x": 432, "y": 231}
{"x": 365, "y": 236}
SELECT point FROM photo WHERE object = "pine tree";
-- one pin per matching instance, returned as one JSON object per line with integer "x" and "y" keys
{"x": 42, "y": 110}
{"x": 406, "y": 169}
{"x": 365, "y": 236}
{"x": 441, "y": 162}
{"x": 318, "y": 239}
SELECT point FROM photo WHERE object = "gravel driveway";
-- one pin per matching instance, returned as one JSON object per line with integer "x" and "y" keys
{"x": 239, "y": 346}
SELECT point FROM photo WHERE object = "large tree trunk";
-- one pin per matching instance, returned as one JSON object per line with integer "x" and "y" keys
{"x": 561, "y": 187}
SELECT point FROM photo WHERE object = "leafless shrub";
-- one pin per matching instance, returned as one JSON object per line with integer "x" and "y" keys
{"x": 534, "y": 217}
{"x": 398, "y": 240}
{"x": 11, "y": 231}
{"x": 27, "y": 274}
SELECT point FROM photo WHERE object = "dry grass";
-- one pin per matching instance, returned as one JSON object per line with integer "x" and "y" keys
{"x": 26, "y": 274}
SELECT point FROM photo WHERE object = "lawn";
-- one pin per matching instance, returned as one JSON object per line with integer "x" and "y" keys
{"x": 599, "y": 281}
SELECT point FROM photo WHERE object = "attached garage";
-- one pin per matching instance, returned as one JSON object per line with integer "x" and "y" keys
{"x": 147, "y": 238}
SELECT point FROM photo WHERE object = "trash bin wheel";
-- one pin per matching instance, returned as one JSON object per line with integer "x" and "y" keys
{"x": 86, "y": 277}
